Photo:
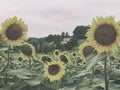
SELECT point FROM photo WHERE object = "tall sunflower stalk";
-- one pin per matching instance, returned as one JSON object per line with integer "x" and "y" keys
{"x": 8, "y": 63}
{"x": 104, "y": 35}
{"x": 105, "y": 73}
{"x": 13, "y": 32}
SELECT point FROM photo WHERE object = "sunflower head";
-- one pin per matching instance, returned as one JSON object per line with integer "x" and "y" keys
{"x": 74, "y": 54}
{"x": 45, "y": 58}
{"x": 56, "y": 52}
{"x": 64, "y": 58}
{"x": 20, "y": 58}
{"x": 27, "y": 50}
{"x": 104, "y": 34}
{"x": 85, "y": 49}
{"x": 54, "y": 70}
{"x": 79, "y": 60}
{"x": 13, "y": 31}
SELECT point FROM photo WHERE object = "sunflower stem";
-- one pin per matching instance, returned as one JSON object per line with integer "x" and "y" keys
{"x": 30, "y": 63}
{"x": 105, "y": 73}
{"x": 8, "y": 62}
{"x": 8, "y": 57}
{"x": 93, "y": 72}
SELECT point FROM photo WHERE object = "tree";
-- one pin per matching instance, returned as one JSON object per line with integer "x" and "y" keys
{"x": 67, "y": 35}
{"x": 71, "y": 44}
{"x": 79, "y": 32}
{"x": 49, "y": 38}
{"x": 62, "y": 35}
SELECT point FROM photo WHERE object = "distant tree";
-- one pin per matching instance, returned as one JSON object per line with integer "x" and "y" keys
{"x": 67, "y": 35}
{"x": 79, "y": 32}
{"x": 34, "y": 42}
{"x": 49, "y": 38}
{"x": 62, "y": 35}
{"x": 45, "y": 47}
{"x": 71, "y": 44}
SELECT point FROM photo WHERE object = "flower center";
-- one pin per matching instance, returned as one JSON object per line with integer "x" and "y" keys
{"x": 20, "y": 59}
{"x": 63, "y": 58}
{"x": 14, "y": 32}
{"x": 105, "y": 34}
{"x": 74, "y": 54}
{"x": 46, "y": 59}
{"x": 88, "y": 50}
{"x": 56, "y": 53}
{"x": 53, "y": 69}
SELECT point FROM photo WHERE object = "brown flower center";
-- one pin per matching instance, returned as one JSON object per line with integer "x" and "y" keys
{"x": 88, "y": 50}
{"x": 26, "y": 50}
{"x": 63, "y": 58}
{"x": 14, "y": 32}
{"x": 105, "y": 34}
{"x": 20, "y": 59}
{"x": 74, "y": 54}
{"x": 46, "y": 59}
{"x": 53, "y": 69}
{"x": 56, "y": 53}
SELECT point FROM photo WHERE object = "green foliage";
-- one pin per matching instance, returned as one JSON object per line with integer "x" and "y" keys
{"x": 79, "y": 32}
{"x": 89, "y": 76}
{"x": 71, "y": 44}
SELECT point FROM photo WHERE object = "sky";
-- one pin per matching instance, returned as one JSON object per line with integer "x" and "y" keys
{"x": 45, "y": 17}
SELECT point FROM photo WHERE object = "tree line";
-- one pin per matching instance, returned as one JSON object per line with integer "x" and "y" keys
{"x": 52, "y": 42}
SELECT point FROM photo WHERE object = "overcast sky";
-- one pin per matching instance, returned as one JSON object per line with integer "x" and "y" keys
{"x": 45, "y": 17}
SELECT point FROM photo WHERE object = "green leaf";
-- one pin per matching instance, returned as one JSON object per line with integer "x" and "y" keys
{"x": 85, "y": 88}
{"x": 33, "y": 81}
{"x": 114, "y": 87}
{"x": 99, "y": 82}
{"x": 91, "y": 63}
{"x": 20, "y": 73}
{"x": 81, "y": 74}
{"x": 68, "y": 88}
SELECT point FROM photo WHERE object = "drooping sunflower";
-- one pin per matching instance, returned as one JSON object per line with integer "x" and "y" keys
{"x": 64, "y": 58}
{"x": 54, "y": 70}
{"x": 85, "y": 49}
{"x": 13, "y": 31}
{"x": 104, "y": 34}
{"x": 27, "y": 51}
{"x": 45, "y": 58}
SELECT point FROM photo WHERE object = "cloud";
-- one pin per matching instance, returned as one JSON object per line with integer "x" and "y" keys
{"x": 46, "y": 17}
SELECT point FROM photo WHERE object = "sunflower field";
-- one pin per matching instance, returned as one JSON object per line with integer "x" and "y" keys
{"x": 94, "y": 66}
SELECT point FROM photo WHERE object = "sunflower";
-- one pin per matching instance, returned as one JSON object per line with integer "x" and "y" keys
{"x": 85, "y": 49}
{"x": 64, "y": 58}
{"x": 56, "y": 52}
{"x": 78, "y": 60}
{"x": 13, "y": 31}
{"x": 74, "y": 54}
{"x": 20, "y": 58}
{"x": 27, "y": 51}
{"x": 45, "y": 58}
{"x": 54, "y": 70}
{"x": 104, "y": 34}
